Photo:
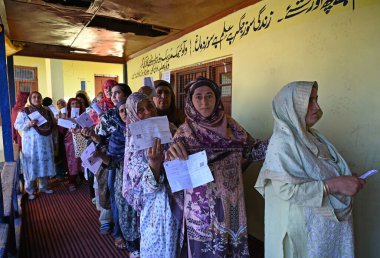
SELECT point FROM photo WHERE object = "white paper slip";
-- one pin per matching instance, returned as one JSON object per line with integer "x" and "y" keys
{"x": 66, "y": 123}
{"x": 84, "y": 120}
{"x": 74, "y": 112}
{"x": 54, "y": 110}
{"x": 165, "y": 76}
{"x": 145, "y": 131}
{"x": 37, "y": 116}
{"x": 63, "y": 110}
{"x": 188, "y": 174}
{"x": 368, "y": 174}
{"x": 97, "y": 108}
{"x": 148, "y": 81}
{"x": 88, "y": 159}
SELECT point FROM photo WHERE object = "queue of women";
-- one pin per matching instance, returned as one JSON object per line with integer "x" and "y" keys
{"x": 307, "y": 185}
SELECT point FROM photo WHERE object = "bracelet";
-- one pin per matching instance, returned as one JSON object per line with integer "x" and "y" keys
{"x": 326, "y": 188}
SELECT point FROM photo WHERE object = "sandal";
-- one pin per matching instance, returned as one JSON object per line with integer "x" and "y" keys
{"x": 72, "y": 188}
{"x": 120, "y": 243}
{"x": 134, "y": 254}
{"x": 105, "y": 229}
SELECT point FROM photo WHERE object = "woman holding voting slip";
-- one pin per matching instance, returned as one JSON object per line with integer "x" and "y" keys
{"x": 38, "y": 150}
{"x": 145, "y": 187}
{"x": 305, "y": 179}
{"x": 214, "y": 219}
{"x": 73, "y": 160}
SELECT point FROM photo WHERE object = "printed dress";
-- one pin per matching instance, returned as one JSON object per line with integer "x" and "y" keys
{"x": 37, "y": 152}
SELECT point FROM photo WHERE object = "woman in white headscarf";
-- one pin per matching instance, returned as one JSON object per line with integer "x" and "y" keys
{"x": 306, "y": 184}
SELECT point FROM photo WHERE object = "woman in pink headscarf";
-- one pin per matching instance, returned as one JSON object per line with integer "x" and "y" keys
{"x": 106, "y": 103}
{"x": 21, "y": 99}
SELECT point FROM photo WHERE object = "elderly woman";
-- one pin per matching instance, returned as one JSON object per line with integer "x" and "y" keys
{"x": 215, "y": 223}
{"x": 145, "y": 188}
{"x": 37, "y": 142}
{"x": 306, "y": 184}
{"x": 165, "y": 103}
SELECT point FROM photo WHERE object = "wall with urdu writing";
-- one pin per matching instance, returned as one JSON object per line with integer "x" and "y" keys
{"x": 338, "y": 47}
{"x": 62, "y": 78}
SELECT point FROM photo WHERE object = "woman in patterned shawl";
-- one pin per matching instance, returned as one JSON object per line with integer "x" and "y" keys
{"x": 38, "y": 150}
{"x": 306, "y": 181}
{"x": 214, "y": 219}
{"x": 145, "y": 188}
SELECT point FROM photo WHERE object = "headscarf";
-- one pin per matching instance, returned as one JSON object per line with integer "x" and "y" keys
{"x": 21, "y": 99}
{"x": 47, "y": 128}
{"x": 297, "y": 155}
{"x": 84, "y": 96}
{"x": 174, "y": 115}
{"x": 106, "y": 103}
{"x": 216, "y": 132}
{"x": 116, "y": 146}
{"x": 68, "y": 107}
{"x": 135, "y": 162}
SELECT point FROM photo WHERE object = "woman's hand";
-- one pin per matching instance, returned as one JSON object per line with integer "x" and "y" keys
{"x": 176, "y": 151}
{"x": 345, "y": 185}
{"x": 156, "y": 157}
{"x": 87, "y": 132}
{"x": 33, "y": 122}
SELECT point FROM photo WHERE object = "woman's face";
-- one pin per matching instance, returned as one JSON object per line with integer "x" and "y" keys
{"x": 36, "y": 99}
{"x": 145, "y": 109}
{"x": 314, "y": 112}
{"x": 108, "y": 92}
{"x": 61, "y": 104}
{"x": 117, "y": 95}
{"x": 123, "y": 113}
{"x": 163, "y": 97}
{"x": 204, "y": 100}
{"x": 75, "y": 104}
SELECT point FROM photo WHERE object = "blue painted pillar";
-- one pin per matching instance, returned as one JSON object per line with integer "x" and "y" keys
{"x": 4, "y": 103}
{"x": 11, "y": 80}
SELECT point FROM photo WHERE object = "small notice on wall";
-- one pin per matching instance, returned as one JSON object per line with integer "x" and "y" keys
{"x": 165, "y": 76}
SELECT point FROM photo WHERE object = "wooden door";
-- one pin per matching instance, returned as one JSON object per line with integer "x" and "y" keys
{"x": 100, "y": 79}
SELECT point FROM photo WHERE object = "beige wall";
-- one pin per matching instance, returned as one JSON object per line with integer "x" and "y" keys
{"x": 340, "y": 50}
{"x": 62, "y": 78}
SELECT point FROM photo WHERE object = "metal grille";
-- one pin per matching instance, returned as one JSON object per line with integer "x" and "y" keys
{"x": 182, "y": 80}
{"x": 23, "y": 74}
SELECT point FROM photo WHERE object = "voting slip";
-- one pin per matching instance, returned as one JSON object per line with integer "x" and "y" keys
{"x": 54, "y": 110}
{"x": 188, "y": 174}
{"x": 145, "y": 131}
{"x": 97, "y": 108}
{"x": 88, "y": 159}
{"x": 66, "y": 123}
{"x": 64, "y": 110}
{"x": 37, "y": 116}
{"x": 84, "y": 120}
{"x": 74, "y": 112}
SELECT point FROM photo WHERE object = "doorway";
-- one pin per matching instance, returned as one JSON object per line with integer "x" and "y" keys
{"x": 100, "y": 79}
{"x": 219, "y": 71}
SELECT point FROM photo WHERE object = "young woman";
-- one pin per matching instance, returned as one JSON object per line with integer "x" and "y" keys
{"x": 37, "y": 142}
{"x": 215, "y": 223}
{"x": 74, "y": 163}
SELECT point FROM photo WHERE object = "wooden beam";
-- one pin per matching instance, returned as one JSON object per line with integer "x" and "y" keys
{"x": 193, "y": 28}
{"x": 4, "y": 104}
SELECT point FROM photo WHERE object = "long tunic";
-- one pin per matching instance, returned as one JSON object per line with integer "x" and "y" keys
{"x": 74, "y": 163}
{"x": 215, "y": 223}
{"x": 37, "y": 152}
{"x": 159, "y": 228}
